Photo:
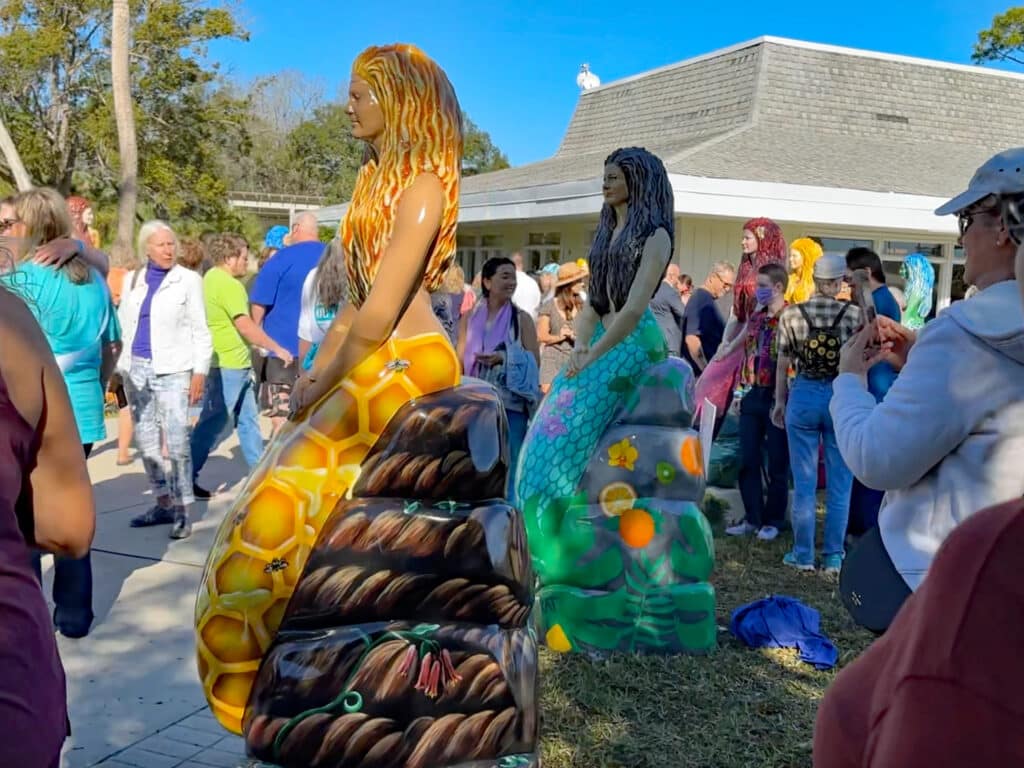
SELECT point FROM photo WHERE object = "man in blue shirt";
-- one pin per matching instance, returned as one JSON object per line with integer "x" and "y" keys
{"x": 865, "y": 502}
{"x": 276, "y": 301}
{"x": 703, "y": 324}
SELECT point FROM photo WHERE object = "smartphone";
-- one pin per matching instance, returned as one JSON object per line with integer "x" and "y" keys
{"x": 864, "y": 298}
{"x": 866, "y": 302}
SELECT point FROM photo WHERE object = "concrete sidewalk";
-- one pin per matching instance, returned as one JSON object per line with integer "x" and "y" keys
{"x": 133, "y": 690}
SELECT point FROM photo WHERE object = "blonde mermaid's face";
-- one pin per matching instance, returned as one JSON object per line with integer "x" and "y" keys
{"x": 796, "y": 260}
{"x": 364, "y": 111}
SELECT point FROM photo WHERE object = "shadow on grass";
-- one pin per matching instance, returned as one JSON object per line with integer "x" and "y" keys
{"x": 735, "y": 707}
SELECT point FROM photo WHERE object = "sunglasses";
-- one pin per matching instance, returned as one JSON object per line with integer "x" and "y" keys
{"x": 966, "y": 219}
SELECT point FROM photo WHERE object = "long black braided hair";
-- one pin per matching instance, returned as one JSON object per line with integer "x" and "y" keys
{"x": 613, "y": 265}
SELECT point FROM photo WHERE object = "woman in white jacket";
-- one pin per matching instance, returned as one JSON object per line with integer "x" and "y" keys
{"x": 948, "y": 440}
{"x": 166, "y": 356}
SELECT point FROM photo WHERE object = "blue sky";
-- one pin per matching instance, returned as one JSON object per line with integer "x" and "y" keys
{"x": 514, "y": 65}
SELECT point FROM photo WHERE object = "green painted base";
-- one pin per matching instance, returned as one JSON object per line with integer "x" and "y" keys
{"x": 629, "y": 578}
{"x": 668, "y": 620}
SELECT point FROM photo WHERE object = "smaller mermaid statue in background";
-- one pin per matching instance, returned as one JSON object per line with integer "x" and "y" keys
{"x": 919, "y": 275}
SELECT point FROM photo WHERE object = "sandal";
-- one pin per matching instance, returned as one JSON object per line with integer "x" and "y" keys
{"x": 157, "y": 515}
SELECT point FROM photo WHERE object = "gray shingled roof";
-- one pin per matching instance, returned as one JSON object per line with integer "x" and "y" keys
{"x": 783, "y": 111}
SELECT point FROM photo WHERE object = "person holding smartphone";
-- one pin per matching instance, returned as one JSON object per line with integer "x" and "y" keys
{"x": 948, "y": 439}
{"x": 942, "y": 687}
{"x": 864, "y": 268}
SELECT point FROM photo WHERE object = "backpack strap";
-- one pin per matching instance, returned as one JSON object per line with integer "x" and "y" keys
{"x": 807, "y": 316}
{"x": 839, "y": 317}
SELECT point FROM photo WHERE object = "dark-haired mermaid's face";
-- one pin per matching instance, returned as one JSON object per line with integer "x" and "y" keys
{"x": 364, "y": 111}
{"x": 614, "y": 187}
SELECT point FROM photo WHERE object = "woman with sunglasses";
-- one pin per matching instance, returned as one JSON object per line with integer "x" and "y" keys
{"x": 942, "y": 687}
{"x": 948, "y": 439}
{"x": 73, "y": 306}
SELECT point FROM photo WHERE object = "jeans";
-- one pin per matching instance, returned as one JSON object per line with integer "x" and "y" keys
{"x": 228, "y": 391}
{"x": 162, "y": 401}
{"x": 757, "y": 433}
{"x": 517, "y": 424}
{"x": 808, "y": 424}
{"x": 72, "y": 588}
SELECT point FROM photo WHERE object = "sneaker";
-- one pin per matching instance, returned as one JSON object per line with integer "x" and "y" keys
{"x": 201, "y": 493}
{"x": 832, "y": 564}
{"x": 156, "y": 515}
{"x": 181, "y": 528}
{"x": 792, "y": 562}
{"x": 741, "y": 529}
{"x": 768, "y": 533}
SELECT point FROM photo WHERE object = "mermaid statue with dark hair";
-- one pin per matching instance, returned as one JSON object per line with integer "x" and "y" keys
{"x": 610, "y": 468}
{"x": 365, "y": 602}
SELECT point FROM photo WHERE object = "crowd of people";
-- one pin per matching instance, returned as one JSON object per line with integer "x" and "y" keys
{"x": 916, "y": 431}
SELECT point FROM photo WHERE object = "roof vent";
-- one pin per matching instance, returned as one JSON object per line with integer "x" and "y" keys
{"x": 885, "y": 118}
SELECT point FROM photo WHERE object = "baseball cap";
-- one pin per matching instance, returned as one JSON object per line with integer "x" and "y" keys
{"x": 1000, "y": 175}
{"x": 831, "y": 266}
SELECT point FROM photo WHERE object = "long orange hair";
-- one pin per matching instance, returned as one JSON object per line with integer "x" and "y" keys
{"x": 422, "y": 134}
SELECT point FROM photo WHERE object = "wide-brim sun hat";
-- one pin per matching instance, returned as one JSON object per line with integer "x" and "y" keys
{"x": 570, "y": 273}
{"x": 1001, "y": 175}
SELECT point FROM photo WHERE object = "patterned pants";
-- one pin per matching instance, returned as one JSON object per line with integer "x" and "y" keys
{"x": 162, "y": 401}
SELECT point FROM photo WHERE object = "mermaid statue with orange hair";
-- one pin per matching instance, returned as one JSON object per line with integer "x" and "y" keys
{"x": 365, "y": 600}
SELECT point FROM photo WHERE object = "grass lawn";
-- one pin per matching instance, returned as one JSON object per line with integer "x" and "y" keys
{"x": 736, "y": 707}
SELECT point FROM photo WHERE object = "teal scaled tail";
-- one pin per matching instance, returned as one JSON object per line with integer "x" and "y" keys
{"x": 565, "y": 431}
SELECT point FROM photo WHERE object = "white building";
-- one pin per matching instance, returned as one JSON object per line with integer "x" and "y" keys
{"x": 851, "y": 147}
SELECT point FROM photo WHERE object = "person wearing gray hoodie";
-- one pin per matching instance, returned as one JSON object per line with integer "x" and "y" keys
{"x": 948, "y": 440}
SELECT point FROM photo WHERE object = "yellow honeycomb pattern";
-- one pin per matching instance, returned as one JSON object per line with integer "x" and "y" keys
{"x": 263, "y": 543}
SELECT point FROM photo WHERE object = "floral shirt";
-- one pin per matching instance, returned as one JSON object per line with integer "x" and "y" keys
{"x": 762, "y": 350}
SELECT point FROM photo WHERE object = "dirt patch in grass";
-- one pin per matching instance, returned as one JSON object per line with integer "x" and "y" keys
{"x": 736, "y": 707}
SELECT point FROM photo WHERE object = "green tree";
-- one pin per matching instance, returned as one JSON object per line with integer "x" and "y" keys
{"x": 50, "y": 63}
{"x": 55, "y": 64}
{"x": 479, "y": 154}
{"x": 1004, "y": 40}
{"x": 323, "y": 153}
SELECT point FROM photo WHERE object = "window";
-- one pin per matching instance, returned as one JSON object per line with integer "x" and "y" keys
{"x": 465, "y": 241}
{"x": 466, "y": 258}
{"x": 542, "y": 248}
{"x": 536, "y": 258}
{"x": 958, "y": 288}
{"x": 899, "y": 250}
{"x": 491, "y": 241}
{"x": 840, "y": 245}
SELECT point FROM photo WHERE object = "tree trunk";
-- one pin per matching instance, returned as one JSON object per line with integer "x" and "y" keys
{"x": 21, "y": 177}
{"x": 124, "y": 113}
